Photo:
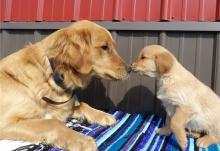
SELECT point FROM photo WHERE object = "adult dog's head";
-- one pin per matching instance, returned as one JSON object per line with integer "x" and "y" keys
{"x": 86, "y": 49}
{"x": 153, "y": 61}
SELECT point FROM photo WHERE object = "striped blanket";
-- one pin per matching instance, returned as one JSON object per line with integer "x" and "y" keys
{"x": 132, "y": 132}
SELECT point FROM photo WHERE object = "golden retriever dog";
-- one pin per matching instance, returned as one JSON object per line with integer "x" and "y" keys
{"x": 189, "y": 103}
{"x": 38, "y": 83}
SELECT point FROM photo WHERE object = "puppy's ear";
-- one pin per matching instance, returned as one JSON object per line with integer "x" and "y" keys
{"x": 164, "y": 62}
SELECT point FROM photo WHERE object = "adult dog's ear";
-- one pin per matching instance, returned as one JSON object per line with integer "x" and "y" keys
{"x": 164, "y": 62}
{"x": 81, "y": 41}
{"x": 74, "y": 45}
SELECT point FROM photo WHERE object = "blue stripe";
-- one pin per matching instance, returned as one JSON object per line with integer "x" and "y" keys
{"x": 157, "y": 143}
{"x": 102, "y": 137}
{"x": 160, "y": 144}
{"x": 118, "y": 133}
{"x": 146, "y": 136}
{"x": 154, "y": 143}
{"x": 136, "y": 136}
{"x": 152, "y": 136}
{"x": 213, "y": 147}
{"x": 126, "y": 134}
{"x": 172, "y": 144}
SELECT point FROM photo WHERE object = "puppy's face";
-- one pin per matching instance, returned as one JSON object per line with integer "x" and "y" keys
{"x": 89, "y": 49}
{"x": 153, "y": 61}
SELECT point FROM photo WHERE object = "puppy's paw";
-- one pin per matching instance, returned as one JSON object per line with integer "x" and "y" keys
{"x": 163, "y": 131}
{"x": 205, "y": 141}
{"x": 183, "y": 143}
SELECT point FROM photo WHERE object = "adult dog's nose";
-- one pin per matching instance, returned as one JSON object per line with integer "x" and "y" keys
{"x": 128, "y": 69}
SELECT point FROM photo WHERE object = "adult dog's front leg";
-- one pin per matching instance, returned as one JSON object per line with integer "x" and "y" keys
{"x": 49, "y": 131}
{"x": 93, "y": 116}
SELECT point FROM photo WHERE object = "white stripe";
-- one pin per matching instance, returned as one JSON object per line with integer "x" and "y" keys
{"x": 143, "y": 131}
{"x": 218, "y": 146}
{"x": 162, "y": 142}
{"x": 200, "y": 149}
{"x": 151, "y": 138}
{"x": 148, "y": 124}
{"x": 112, "y": 130}
{"x": 124, "y": 133}
{"x": 155, "y": 143}
{"x": 8, "y": 145}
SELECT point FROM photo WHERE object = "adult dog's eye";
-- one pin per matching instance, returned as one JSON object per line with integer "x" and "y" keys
{"x": 105, "y": 47}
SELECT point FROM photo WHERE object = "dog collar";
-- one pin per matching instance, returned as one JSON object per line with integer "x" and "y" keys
{"x": 50, "y": 101}
{"x": 58, "y": 79}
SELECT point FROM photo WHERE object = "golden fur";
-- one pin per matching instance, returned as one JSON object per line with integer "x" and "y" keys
{"x": 188, "y": 102}
{"x": 78, "y": 52}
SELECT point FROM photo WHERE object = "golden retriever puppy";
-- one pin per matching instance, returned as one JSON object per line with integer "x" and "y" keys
{"x": 38, "y": 83}
{"x": 188, "y": 102}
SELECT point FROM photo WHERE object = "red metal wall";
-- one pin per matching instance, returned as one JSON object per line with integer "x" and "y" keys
{"x": 130, "y": 10}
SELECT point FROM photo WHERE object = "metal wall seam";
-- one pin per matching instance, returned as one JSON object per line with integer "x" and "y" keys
{"x": 2, "y": 9}
{"x": 47, "y": 10}
{"x": 218, "y": 10}
{"x": 201, "y": 10}
{"x": 24, "y": 10}
{"x": 128, "y": 9}
{"x": 207, "y": 10}
{"x": 58, "y": 10}
{"x": 76, "y": 9}
{"x": 165, "y": 10}
{"x": 148, "y": 10}
{"x": 192, "y": 8}
{"x": 68, "y": 10}
{"x": 108, "y": 9}
{"x": 96, "y": 10}
{"x": 32, "y": 10}
{"x": 155, "y": 10}
{"x": 85, "y": 9}
{"x": 216, "y": 79}
{"x": 40, "y": 10}
{"x": 118, "y": 13}
{"x": 210, "y": 10}
{"x": 16, "y": 11}
{"x": 8, "y": 10}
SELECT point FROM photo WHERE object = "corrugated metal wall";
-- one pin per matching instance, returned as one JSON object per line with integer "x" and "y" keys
{"x": 130, "y": 10}
{"x": 199, "y": 52}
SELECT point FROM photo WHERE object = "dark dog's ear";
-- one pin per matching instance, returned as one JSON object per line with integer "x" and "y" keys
{"x": 164, "y": 62}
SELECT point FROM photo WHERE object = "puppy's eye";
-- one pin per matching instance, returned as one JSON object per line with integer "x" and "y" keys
{"x": 143, "y": 57}
{"x": 105, "y": 47}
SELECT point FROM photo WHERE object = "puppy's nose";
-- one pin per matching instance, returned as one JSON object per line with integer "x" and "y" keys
{"x": 128, "y": 69}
